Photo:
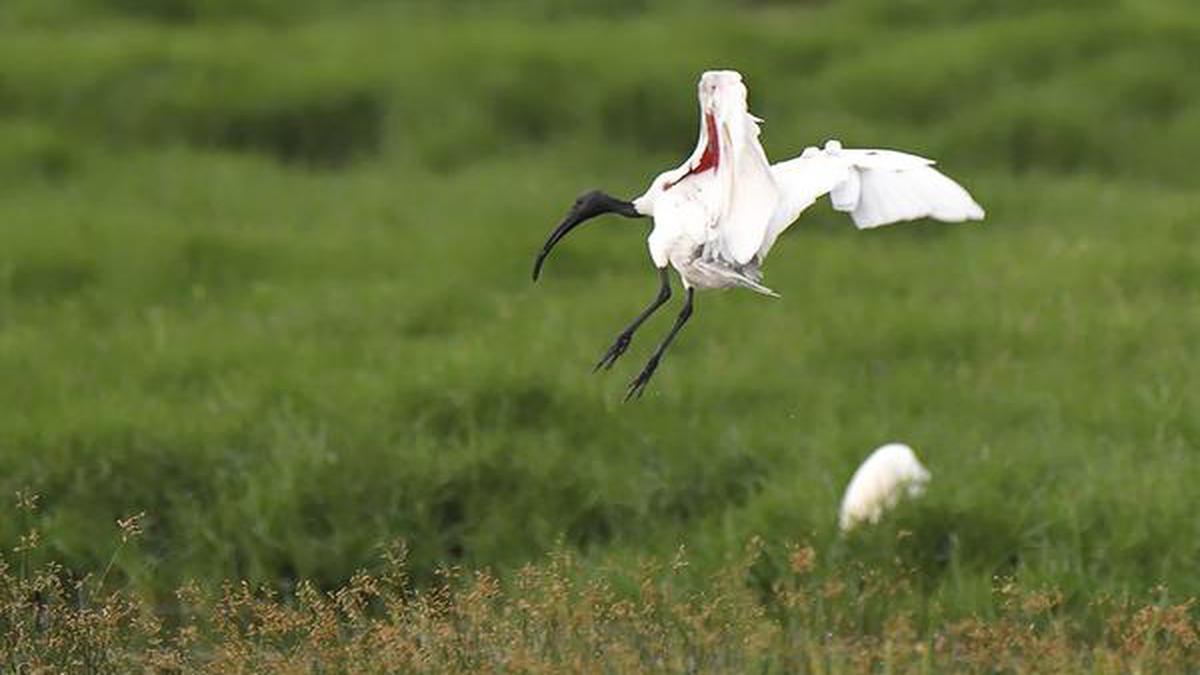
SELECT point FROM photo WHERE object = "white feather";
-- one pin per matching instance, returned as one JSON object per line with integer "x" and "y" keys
{"x": 892, "y": 196}
{"x": 801, "y": 181}
{"x": 887, "y": 474}
{"x": 876, "y": 187}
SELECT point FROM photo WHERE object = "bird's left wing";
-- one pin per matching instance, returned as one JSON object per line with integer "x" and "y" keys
{"x": 876, "y": 187}
{"x": 888, "y": 187}
{"x": 802, "y": 181}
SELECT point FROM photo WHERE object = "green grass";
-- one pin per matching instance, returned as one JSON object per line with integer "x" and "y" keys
{"x": 265, "y": 276}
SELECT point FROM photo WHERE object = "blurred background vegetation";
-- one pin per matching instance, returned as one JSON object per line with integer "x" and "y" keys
{"x": 264, "y": 276}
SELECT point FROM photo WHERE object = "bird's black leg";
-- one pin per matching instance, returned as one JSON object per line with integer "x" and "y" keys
{"x": 622, "y": 342}
{"x": 639, "y": 384}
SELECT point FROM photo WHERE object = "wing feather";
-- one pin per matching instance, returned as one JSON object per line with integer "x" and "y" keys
{"x": 747, "y": 191}
{"x": 802, "y": 181}
{"x": 876, "y": 187}
{"x": 890, "y": 197}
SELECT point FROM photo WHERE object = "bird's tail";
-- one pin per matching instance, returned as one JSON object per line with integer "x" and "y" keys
{"x": 759, "y": 288}
{"x": 743, "y": 276}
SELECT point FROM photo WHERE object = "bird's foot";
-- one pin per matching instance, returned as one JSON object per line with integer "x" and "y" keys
{"x": 639, "y": 383}
{"x": 614, "y": 352}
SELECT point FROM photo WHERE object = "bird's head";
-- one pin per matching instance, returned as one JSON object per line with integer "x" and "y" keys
{"x": 587, "y": 206}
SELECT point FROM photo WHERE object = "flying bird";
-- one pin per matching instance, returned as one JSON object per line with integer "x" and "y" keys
{"x": 877, "y": 485}
{"x": 717, "y": 215}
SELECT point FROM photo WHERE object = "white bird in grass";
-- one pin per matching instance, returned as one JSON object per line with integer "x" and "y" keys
{"x": 878, "y": 484}
{"x": 717, "y": 215}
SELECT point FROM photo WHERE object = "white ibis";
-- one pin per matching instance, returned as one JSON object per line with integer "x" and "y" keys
{"x": 717, "y": 215}
{"x": 877, "y": 485}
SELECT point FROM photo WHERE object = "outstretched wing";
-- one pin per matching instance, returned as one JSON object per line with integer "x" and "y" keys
{"x": 894, "y": 186}
{"x": 727, "y": 180}
{"x": 746, "y": 189}
{"x": 876, "y": 187}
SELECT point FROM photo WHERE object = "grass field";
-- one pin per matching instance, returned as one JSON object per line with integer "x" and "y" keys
{"x": 264, "y": 276}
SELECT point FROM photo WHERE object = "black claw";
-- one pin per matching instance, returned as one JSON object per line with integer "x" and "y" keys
{"x": 614, "y": 352}
{"x": 638, "y": 386}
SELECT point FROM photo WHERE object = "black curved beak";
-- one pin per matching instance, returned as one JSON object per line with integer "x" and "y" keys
{"x": 588, "y": 206}
{"x": 569, "y": 223}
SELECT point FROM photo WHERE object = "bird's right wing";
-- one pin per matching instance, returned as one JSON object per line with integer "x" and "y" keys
{"x": 876, "y": 187}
